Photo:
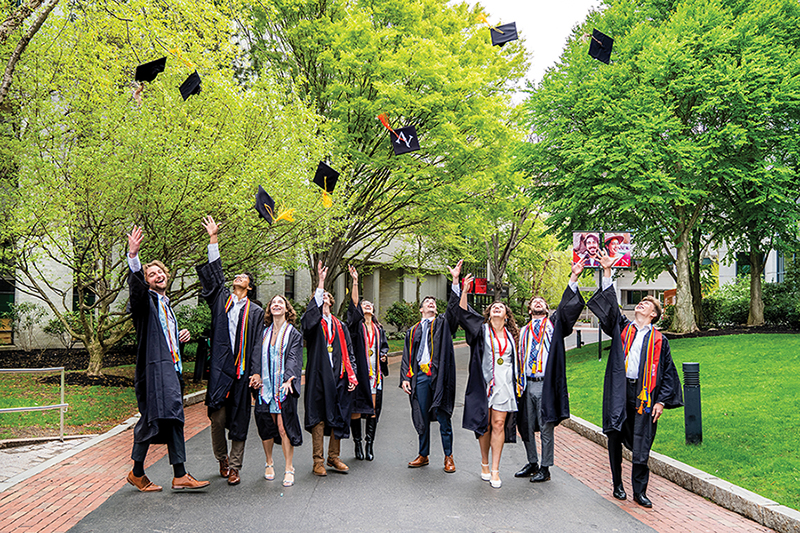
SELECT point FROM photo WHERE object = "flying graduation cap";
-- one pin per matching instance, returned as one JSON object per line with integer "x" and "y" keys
{"x": 600, "y": 46}
{"x": 326, "y": 179}
{"x": 502, "y": 34}
{"x": 149, "y": 71}
{"x": 191, "y": 85}
{"x": 405, "y": 139}
{"x": 265, "y": 206}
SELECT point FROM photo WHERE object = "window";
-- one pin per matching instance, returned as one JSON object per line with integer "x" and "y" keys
{"x": 7, "y": 291}
{"x": 634, "y": 297}
{"x": 780, "y": 268}
{"x": 288, "y": 285}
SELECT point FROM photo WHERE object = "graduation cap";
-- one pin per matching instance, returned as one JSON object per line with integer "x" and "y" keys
{"x": 404, "y": 139}
{"x": 326, "y": 179}
{"x": 502, "y": 34}
{"x": 191, "y": 85}
{"x": 265, "y": 206}
{"x": 600, "y": 46}
{"x": 149, "y": 71}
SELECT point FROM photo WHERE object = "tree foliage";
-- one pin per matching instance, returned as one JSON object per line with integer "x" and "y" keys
{"x": 653, "y": 141}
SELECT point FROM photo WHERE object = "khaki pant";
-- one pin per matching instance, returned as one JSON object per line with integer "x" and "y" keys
{"x": 219, "y": 442}
{"x": 318, "y": 444}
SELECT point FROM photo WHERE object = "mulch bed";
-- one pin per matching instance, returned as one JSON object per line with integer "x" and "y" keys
{"x": 77, "y": 359}
{"x": 84, "y": 380}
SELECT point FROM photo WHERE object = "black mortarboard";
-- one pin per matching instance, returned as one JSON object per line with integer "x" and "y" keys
{"x": 191, "y": 85}
{"x": 504, "y": 33}
{"x": 149, "y": 71}
{"x": 600, "y": 46}
{"x": 326, "y": 178}
{"x": 404, "y": 140}
{"x": 265, "y": 205}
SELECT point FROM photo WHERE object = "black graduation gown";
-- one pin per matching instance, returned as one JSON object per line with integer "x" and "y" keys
{"x": 362, "y": 403}
{"x": 224, "y": 389}
{"x": 476, "y": 403}
{"x": 555, "y": 397}
{"x": 292, "y": 367}
{"x": 156, "y": 383}
{"x": 443, "y": 369}
{"x": 667, "y": 389}
{"x": 327, "y": 398}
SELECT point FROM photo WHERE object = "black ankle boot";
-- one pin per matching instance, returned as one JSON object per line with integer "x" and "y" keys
{"x": 355, "y": 430}
{"x": 372, "y": 424}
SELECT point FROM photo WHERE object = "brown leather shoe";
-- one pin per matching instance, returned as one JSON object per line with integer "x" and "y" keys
{"x": 142, "y": 483}
{"x": 338, "y": 465}
{"x": 449, "y": 464}
{"x": 187, "y": 482}
{"x": 421, "y": 460}
{"x": 233, "y": 476}
{"x": 224, "y": 467}
{"x": 319, "y": 470}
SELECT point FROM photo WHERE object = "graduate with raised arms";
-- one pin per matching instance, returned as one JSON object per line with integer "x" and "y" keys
{"x": 236, "y": 327}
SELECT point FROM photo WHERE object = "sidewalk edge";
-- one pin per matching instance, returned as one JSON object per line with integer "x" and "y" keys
{"x": 725, "y": 494}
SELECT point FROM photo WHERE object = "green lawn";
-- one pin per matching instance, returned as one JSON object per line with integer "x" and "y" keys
{"x": 750, "y": 390}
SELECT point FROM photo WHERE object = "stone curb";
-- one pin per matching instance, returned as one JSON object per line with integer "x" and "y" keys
{"x": 725, "y": 494}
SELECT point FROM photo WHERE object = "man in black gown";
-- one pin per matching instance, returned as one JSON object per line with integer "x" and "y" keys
{"x": 157, "y": 380}
{"x": 236, "y": 327}
{"x": 640, "y": 382}
{"x": 330, "y": 378}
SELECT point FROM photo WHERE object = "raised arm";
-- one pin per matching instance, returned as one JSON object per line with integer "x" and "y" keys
{"x": 313, "y": 314}
{"x": 136, "y": 283}
{"x": 569, "y": 310}
{"x": 604, "y": 303}
{"x": 468, "y": 318}
{"x": 354, "y": 292}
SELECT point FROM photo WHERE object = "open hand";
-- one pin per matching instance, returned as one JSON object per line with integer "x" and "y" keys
{"x": 353, "y": 273}
{"x": 456, "y": 271}
{"x": 135, "y": 241}
{"x": 211, "y": 227}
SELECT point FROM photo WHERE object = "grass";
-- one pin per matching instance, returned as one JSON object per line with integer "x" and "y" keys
{"x": 91, "y": 409}
{"x": 750, "y": 393}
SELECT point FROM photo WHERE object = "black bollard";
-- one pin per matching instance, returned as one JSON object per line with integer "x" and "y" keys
{"x": 692, "y": 411}
{"x": 580, "y": 342}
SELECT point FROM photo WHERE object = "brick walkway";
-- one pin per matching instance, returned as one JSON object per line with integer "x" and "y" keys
{"x": 674, "y": 508}
{"x": 57, "y": 499}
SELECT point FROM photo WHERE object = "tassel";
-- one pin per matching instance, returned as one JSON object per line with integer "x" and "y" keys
{"x": 176, "y": 51}
{"x": 327, "y": 201}
{"x": 482, "y": 18}
{"x": 385, "y": 121}
{"x": 287, "y": 215}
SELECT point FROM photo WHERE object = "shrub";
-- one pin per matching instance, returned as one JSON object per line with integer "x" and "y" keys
{"x": 666, "y": 318}
{"x": 25, "y": 316}
{"x": 402, "y": 315}
{"x": 197, "y": 319}
{"x": 56, "y": 328}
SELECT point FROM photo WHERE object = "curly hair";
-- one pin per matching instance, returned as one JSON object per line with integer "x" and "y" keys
{"x": 291, "y": 314}
{"x": 511, "y": 323}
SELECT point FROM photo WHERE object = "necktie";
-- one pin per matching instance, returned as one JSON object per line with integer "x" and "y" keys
{"x": 426, "y": 326}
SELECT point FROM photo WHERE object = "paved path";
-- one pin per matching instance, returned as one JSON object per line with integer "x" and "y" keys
{"x": 87, "y": 492}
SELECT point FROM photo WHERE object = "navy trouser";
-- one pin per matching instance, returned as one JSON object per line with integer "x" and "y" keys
{"x": 640, "y": 473}
{"x": 424, "y": 392}
{"x": 172, "y": 432}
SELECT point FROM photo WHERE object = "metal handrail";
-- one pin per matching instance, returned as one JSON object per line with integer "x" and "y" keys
{"x": 61, "y": 406}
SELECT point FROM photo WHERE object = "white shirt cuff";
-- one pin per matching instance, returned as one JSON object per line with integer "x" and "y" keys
{"x": 574, "y": 286}
{"x": 213, "y": 252}
{"x": 318, "y": 295}
{"x": 607, "y": 282}
{"x": 133, "y": 263}
{"x": 456, "y": 289}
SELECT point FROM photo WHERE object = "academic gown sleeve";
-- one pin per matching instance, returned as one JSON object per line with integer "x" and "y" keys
{"x": 383, "y": 351}
{"x": 476, "y": 406}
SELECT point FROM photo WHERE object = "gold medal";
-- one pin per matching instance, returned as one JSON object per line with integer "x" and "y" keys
{"x": 499, "y": 360}
{"x": 330, "y": 349}
{"x": 370, "y": 353}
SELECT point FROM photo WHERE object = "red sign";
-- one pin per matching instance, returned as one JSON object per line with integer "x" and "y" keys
{"x": 480, "y": 285}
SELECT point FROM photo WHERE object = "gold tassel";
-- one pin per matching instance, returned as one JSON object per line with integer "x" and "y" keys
{"x": 286, "y": 215}
{"x": 327, "y": 201}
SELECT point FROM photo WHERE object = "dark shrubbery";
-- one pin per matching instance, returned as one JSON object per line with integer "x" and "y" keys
{"x": 730, "y": 305}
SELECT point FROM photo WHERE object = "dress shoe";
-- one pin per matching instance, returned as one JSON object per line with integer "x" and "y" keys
{"x": 359, "y": 451}
{"x": 421, "y": 460}
{"x": 142, "y": 483}
{"x": 619, "y": 492}
{"x": 223, "y": 467}
{"x": 528, "y": 470}
{"x": 233, "y": 477}
{"x": 187, "y": 482}
{"x": 319, "y": 470}
{"x": 642, "y": 500}
{"x": 449, "y": 464}
{"x": 542, "y": 475}
{"x": 337, "y": 464}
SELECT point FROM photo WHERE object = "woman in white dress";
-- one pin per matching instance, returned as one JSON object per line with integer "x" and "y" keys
{"x": 494, "y": 384}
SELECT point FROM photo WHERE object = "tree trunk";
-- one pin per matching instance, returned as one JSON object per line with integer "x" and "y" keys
{"x": 684, "y": 312}
{"x": 756, "y": 315}
{"x": 96, "y": 354}
{"x": 697, "y": 290}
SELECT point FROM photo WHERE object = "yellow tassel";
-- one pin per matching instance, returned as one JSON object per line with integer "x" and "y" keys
{"x": 286, "y": 215}
{"x": 327, "y": 201}
{"x": 177, "y": 51}
{"x": 482, "y": 17}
